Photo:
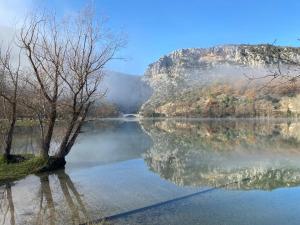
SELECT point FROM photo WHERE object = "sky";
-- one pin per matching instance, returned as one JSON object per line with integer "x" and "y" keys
{"x": 154, "y": 28}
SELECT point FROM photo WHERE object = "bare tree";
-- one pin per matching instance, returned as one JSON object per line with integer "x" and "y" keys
{"x": 45, "y": 53}
{"x": 9, "y": 90}
{"x": 88, "y": 51}
{"x": 67, "y": 58}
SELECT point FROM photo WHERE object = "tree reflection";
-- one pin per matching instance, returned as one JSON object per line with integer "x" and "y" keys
{"x": 59, "y": 202}
{"x": 7, "y": 207}
{"x": 235, "y": 154}
{"x": 45, "y": 195}
{"x": 76, "y": 206}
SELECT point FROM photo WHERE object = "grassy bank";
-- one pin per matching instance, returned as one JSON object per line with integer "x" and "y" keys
{"x": 14, "y": 171}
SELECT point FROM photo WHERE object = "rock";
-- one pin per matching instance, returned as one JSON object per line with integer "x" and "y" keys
{"x": 191, "y": 70}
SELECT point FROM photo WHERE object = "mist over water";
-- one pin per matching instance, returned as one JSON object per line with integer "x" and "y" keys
{"x": 127, "y": 92}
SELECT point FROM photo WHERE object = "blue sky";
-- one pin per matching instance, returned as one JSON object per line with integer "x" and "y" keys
{"x": 157, "y": 27}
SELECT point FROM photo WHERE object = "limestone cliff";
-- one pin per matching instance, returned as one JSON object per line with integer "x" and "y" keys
{"x": 215, "y": 82}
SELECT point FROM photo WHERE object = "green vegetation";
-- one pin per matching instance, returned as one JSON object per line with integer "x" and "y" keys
{"x": 13, "y": 171}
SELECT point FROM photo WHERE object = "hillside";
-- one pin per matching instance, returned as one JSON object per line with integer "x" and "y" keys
{"x": 214, "y": 82}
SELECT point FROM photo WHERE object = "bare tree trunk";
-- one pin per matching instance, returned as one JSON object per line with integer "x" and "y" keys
{"x": 49, "y": 134}
{"x": 70, "y": 138}
{"x": 9, "y": 136}
{"x": 66, "y": 138}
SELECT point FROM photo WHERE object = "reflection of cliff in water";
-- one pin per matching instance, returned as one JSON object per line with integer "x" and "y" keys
{"x": 217, "y": 153}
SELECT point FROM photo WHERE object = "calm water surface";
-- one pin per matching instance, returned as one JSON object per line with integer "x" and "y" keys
{"x": 164, "y": 172}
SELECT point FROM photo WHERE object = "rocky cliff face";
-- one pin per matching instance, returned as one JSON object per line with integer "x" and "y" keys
{"x": 189, "y": 70}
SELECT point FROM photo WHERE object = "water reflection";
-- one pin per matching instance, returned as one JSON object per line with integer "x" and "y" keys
{"x": 101, "y": 142}
{"x": 26, "y": 140}
{"x": 109, "y": 141}
{"x": 240, "y": 155}
{"x": 7, "y": 207}
{"x": 50, "y": 206}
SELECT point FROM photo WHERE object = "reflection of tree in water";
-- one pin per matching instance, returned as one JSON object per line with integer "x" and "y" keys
{"x": 211, "y": 153}
{"x": 71, "y": 197}
{"x": 7, "y": 207}
{"x": 68, "y": 187}
{"x": 49, "y": 211}
{"x": 45, "y": 193}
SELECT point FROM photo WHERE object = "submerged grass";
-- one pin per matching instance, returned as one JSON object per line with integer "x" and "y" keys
{"x": 13, "y": 171}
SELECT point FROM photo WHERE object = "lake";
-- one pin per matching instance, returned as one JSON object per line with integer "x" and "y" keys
{"x": 164, "y": 171}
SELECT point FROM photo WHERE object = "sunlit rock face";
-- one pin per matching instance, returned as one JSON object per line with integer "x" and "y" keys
{"x": 232, "y": 154}
{"x": 176, "y": 78}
